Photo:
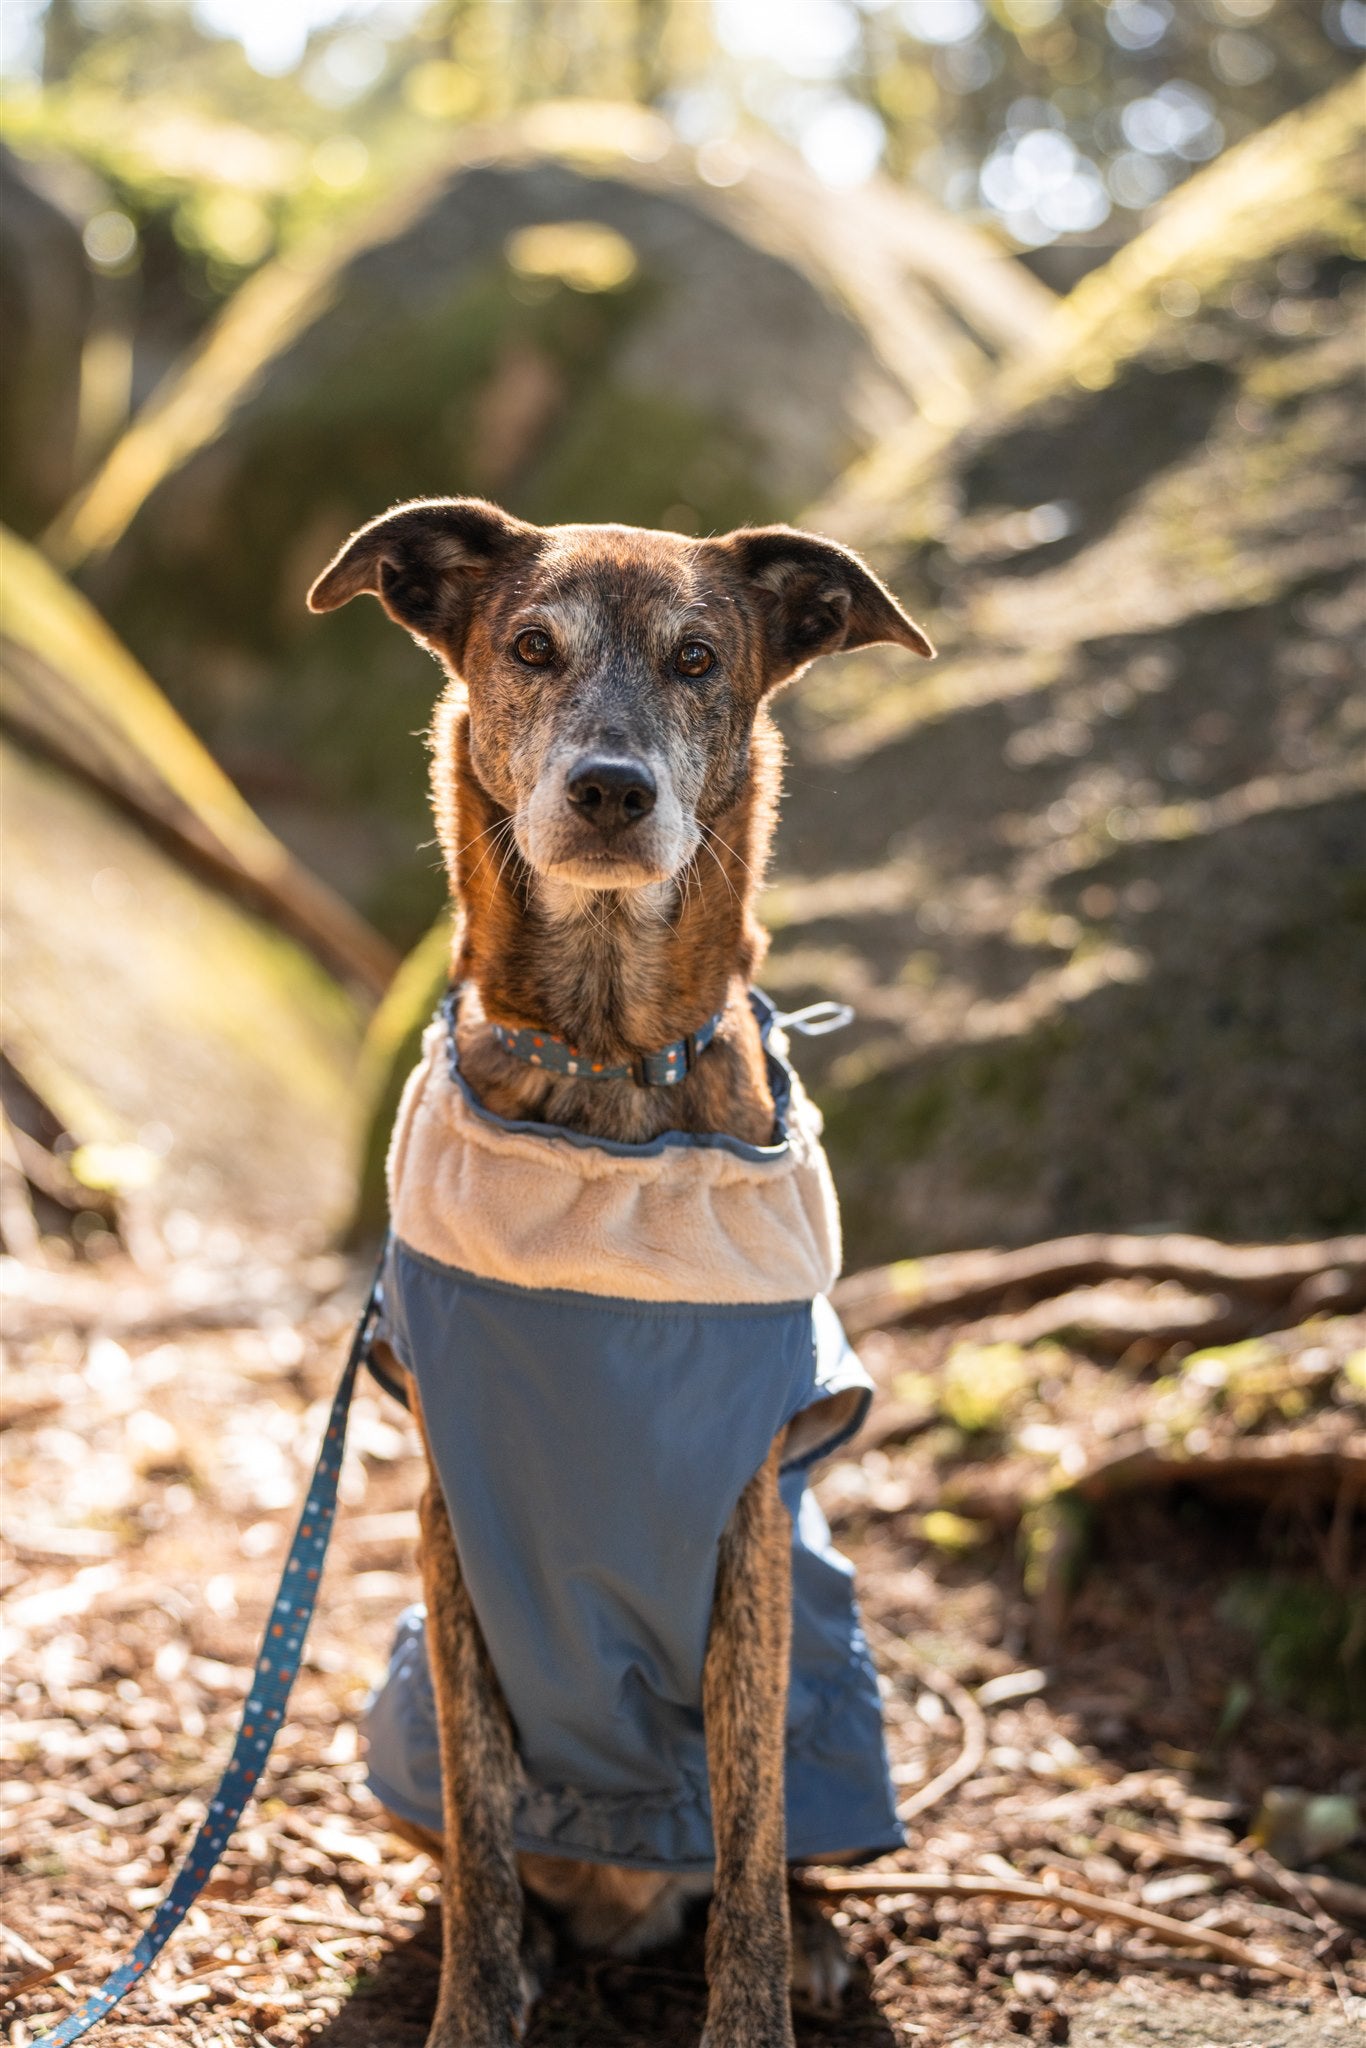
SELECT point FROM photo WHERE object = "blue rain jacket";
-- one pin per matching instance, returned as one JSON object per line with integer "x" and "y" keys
{"x": 592, "y": 1445}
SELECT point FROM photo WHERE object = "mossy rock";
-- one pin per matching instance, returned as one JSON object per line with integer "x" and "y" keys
{"x": 140, "y": 1001}
{"x": 75, "y": 695}
{"x": 568, "y": 318}
{"x": 388, "y": 1056}
{"x": 1096, "y": 881}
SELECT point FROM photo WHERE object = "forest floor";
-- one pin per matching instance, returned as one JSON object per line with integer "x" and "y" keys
{"x": 1115, "y": 1741}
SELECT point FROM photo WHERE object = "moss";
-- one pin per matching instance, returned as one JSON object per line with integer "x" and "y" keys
{"x": 984, "y": 1385}
{"x": 971, "y": 1109}
{"x": 1290, "y": 186}
{"x": 389, "y": 1054}
{"x": 1294, "y": 185}
{"x": 865, "y": 1123}
{"x": 1310, "y": 1643}
{"x": 1054, "y": 1540}
{"x": 137, "y": 996}
{"x": 953, "y": 1533}
{"x": 667, "y": 460}
{"x": 107, "y": 686}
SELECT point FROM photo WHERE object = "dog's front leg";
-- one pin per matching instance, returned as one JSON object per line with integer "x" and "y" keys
{"x": 483, "y": 1997}
{"x": 744, "y": 1703}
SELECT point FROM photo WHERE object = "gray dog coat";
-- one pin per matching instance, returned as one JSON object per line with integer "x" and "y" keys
{"x": 606, "y": 1339}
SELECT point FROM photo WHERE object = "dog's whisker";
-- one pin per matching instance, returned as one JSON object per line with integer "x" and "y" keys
{"x": 729, "y": 849}
{"x": 505, "y": 825}
{"x": 721, "y": 870}
{"x": 498, "y": 825}
{"x": 509, "y": 852}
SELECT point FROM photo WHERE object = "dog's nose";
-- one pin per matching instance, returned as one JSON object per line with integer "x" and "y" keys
{"x": 611, "y": 791}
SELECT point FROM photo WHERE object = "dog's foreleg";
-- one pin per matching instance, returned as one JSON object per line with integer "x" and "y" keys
{"x": 483, "y": 1994}
{"x": 744, "y": 1704}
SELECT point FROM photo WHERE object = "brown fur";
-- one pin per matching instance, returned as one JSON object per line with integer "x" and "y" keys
{"x": 619, "y": 936}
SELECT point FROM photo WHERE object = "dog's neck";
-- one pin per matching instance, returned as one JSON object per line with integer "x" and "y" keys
{"x": 616, "y": 973}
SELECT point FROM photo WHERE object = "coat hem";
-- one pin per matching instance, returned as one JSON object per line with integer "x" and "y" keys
{"x": 849, "y": 1854}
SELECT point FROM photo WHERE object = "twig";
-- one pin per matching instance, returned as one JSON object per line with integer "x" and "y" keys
{"x": 25, "y": 1950}
{"x": 36, "y": 1979}
{"x": 297, "y": 1916}
{"x": 1331, "y": 1933}
{"x": 1089, "y": 1904}
{"x": 1261, "y": 1873}
{"x": 1150, "y": 1786}
{"x": 971, "y": 1720}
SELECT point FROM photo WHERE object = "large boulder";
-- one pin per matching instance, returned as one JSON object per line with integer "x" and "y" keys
{"x": 568, "y": 317}
{"x": 1097, "y": 880}
{"x": 186, "y": 1040}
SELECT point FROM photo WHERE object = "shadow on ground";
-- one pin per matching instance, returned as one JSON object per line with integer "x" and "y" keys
{"x": 656, "y": 2003}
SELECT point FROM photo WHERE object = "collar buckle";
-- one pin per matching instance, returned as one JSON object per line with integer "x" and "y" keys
{"x": 676, "y": 1061}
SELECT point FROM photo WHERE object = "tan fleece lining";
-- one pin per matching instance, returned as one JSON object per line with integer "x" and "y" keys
{"x": 685, "y": 1223}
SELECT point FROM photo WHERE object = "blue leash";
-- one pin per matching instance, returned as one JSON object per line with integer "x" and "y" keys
{"x": 266, "y": 1701}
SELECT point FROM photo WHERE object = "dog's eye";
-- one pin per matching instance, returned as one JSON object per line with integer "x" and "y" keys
{"x": 694, "y": 658}
{"x": 534, "y": 647}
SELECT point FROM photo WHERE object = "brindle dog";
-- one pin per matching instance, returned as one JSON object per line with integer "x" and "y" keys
{"x": 605, "y": 778}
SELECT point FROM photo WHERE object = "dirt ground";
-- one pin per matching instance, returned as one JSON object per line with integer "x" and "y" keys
{"x": 159, "y": 1433}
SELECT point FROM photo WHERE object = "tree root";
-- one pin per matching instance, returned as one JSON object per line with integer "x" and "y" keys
{"x": 936, "y": 1885}
{"x": 954, "y": 1283}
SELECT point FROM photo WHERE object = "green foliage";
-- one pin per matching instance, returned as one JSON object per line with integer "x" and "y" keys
{"x": 219, "y": 167}
{"x": 954, "y": 1534}
{"x": 984, "y": 1384}
{"x": 1311, "y": 1642}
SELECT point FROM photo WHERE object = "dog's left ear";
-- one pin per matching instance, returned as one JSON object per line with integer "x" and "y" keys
{"x": 816, "y": 598}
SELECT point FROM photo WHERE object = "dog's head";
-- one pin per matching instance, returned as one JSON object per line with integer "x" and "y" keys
{"x": 613, "y": 674}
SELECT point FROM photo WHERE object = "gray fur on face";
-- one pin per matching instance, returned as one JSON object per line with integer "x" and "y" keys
{"x": 613, "y": 690}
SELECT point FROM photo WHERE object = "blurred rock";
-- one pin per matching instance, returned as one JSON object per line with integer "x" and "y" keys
{"x": 160, "y": 1041}
{"x": 75, "y": 695}
{"x": 579, "y": 317}
{"x": 45, "y": 304}
{"x": 1096, "y": 881}
{"x": 1299, "y": 1828}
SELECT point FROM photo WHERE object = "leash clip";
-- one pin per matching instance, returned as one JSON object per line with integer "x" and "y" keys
{"x": 816, "y": 1020}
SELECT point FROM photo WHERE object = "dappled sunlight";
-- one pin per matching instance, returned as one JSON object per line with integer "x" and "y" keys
{"x": 1051, "y": 310}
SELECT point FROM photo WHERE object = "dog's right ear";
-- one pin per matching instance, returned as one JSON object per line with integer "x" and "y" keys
{"x": 425, "y": 562}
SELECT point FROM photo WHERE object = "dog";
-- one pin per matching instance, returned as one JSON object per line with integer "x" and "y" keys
{"x": 605, "y": 774}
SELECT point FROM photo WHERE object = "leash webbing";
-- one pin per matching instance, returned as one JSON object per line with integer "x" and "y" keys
{"x": 264, "y": 1711}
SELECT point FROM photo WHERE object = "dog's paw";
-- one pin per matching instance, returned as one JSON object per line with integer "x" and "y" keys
{"x": 749, "y": 2032}
{"x": 537, "y": 1959}
{"x": 821, "y": 1969}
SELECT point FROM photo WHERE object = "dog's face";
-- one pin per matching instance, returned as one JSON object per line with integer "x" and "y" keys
{"x": 613, "y": 673}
